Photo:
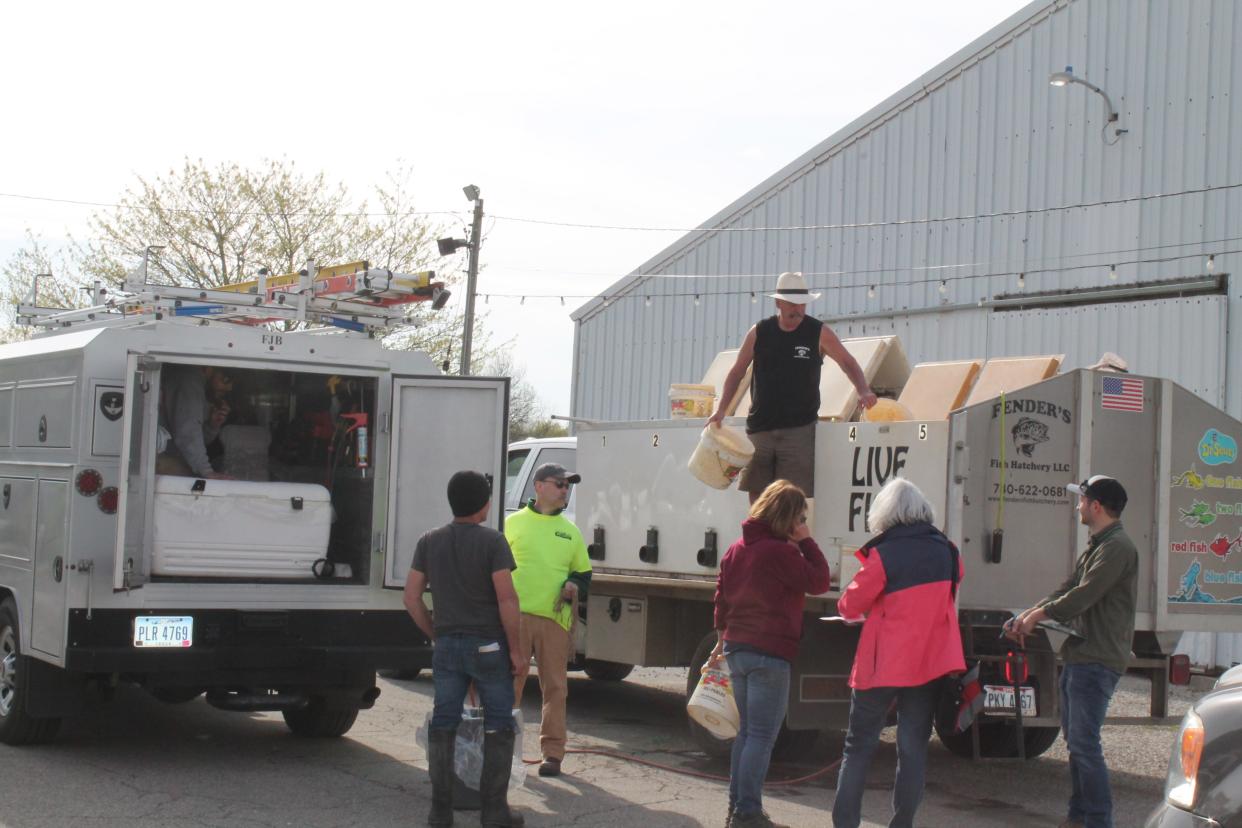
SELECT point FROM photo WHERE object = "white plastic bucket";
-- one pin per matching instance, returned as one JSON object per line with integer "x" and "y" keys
{"x": 720, "y": 456}
{"x": 712, "y": 704}
{"x": 691, "y": 400}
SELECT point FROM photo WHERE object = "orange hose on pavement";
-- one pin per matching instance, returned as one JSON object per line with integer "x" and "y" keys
{"x": 625, "y": 757}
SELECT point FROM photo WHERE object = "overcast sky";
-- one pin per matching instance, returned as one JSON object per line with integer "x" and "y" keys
{"x": 636, "y": 114}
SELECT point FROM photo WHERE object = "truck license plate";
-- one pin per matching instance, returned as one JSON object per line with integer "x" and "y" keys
{"x": 998, "y": 698}
{"x": 164, "y": 631}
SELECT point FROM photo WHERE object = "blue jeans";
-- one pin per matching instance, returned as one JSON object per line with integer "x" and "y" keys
{"x": 868, "y": 713}
{"x": 761, "y": 690}
{"x": 1086, "y": 690}
{"x": 456, "y": 660}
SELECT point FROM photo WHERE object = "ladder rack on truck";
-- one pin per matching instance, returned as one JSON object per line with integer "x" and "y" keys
{"x": 352, "y": 296}
{"x": 277, "y": 589}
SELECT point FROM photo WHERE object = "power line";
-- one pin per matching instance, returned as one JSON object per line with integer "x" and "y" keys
{"x": 575, "y": 272}
{"x": 641, "y": 228}
{"x": 877, "y": 224}
{"x": 247, "y": 213}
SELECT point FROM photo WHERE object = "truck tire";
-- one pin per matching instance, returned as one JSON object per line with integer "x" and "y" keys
{"x": 17, "y": 727}
{"x": 790, "y": 744}
{"x": 319, "y": 721}
{"x": 606, "y": 670}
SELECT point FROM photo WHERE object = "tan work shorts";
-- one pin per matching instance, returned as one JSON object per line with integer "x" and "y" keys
{"x": 781, "y": 454}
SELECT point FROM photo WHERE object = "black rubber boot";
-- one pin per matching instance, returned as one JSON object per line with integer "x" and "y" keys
{"x": 440, "y": 744}
{"x": 494, "y": 783}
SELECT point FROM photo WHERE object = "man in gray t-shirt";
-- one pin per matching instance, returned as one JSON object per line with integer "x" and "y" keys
{"x": 475, "y": 631}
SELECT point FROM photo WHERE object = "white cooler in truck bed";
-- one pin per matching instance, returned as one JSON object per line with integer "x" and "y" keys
{"x": 238, "y": 528}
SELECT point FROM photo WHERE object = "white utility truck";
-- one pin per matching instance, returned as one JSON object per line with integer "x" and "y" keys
{"x": 994, "y": 465}
{"x": 278, "y": 588}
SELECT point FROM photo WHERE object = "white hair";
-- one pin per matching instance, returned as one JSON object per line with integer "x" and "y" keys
{"x": 899, "y": 502}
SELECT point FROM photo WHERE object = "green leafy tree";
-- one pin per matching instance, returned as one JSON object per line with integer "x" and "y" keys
{"x": 540, "y": 428}
{"x": 219, "y": 225}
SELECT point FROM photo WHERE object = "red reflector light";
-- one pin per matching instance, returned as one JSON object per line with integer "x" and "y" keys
{"x": 89, "y": 482}
{"x": 108, "y": 500}
{"x": 1179, "y": 669}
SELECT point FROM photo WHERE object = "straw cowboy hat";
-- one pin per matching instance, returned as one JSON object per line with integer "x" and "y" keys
{"x": 792, "y": 288}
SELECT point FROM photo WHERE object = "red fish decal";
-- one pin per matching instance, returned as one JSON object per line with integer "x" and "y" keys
{"x": 1222, "y": 546}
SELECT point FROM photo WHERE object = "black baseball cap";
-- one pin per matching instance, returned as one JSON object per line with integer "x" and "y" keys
{"x": 1102, "y": 489}
{"x": 555, "y": 471}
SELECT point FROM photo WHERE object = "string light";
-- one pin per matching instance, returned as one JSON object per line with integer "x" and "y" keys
{"x": 870, "y": 291}
{"x": 1211, "y": 263}
{"x": 562, "y": 301}
{"x": 523, "y": 302}
{"x": 696, "y": 300}
{"x": 942, "y": 284}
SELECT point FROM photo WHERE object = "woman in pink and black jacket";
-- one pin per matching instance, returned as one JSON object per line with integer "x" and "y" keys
{"x": 760, "y": 593}
{"x": 907, "y": 591}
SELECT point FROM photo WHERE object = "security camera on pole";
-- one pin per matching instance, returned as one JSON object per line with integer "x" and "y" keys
{"x": 448, "y": 247}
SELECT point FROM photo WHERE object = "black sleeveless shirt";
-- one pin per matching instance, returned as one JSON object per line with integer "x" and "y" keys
{"x": 784, "y": 384}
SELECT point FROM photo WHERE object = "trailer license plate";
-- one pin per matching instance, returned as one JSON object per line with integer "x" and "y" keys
{"x": 998, "y": 698}
{"x": 164, "y": 631}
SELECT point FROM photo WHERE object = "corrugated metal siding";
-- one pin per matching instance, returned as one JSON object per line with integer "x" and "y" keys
{"x": 983, "y": 133}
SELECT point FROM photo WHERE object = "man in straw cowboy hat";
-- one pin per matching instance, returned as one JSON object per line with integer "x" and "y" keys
{"x": 787, "y": 351}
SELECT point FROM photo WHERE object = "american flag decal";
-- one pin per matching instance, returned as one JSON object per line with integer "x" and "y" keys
{"x": 1121, "y": 393}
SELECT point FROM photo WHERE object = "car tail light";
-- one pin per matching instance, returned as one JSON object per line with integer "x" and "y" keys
{"x": 108, "y": 500}
{"x": 1179, "y": 669}
{"x": 1184, "y": 765}
{"x": 88, "y": 482}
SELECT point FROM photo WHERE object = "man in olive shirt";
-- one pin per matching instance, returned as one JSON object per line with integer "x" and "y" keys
{"x": 1098, "y": 602}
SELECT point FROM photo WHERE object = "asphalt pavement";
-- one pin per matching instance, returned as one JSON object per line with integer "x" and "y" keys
{"x": 134, "y": 761}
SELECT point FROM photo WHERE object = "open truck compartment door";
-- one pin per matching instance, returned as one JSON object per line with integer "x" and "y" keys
{"x": 440, "y": 425}
{"x": 138, "y": 449}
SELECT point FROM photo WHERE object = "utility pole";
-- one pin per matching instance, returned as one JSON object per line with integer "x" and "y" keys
{"x": 472, "y": 274}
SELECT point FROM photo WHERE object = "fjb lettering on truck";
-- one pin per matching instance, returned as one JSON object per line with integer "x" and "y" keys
{"x": 871, "y": 469}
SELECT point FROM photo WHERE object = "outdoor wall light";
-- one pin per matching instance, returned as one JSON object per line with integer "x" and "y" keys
{"x": 1063, "y": 79}
{"x": 449, "y": 246}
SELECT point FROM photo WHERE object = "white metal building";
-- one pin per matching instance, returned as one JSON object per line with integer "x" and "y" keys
{"x": 979, "y": 212}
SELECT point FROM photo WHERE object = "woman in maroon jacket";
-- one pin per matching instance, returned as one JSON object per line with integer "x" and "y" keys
{"x": 760, "y": 593}
{"x": 907, "y": 589}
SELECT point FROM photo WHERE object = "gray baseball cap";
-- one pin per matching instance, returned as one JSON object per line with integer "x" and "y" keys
{"x": 555, "y": 471}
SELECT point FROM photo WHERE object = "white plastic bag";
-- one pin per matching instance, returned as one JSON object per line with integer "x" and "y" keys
{"x": 468, "y": 754}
